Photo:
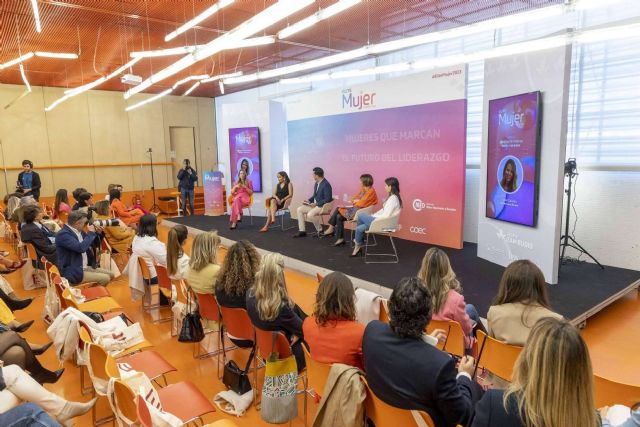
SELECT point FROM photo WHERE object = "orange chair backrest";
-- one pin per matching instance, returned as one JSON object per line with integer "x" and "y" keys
{"x": 607, "y": 392}
{"x": 144, "y": 269}
{"x": 208, "y": 306}
{"x": 454, "y": 344}
{"x": 98, "y": 361}
{"x": 31, "y": 252}
{"x": 384, "y": 415}
{"x": 384, "y": 310}
{"x": 496, "y": 356}
{"x": 237, "y": 323}
{"x": 125, "y": 400}
{"x": 144, "y": 416}
{"x": 57, "y": 284}
{"x": 264, "y": 339}
{"x": 63, "y": 216}
{"x": 163, "y": 277}
{"x": 85, "y": 337}
{"x": 317, "y": 372}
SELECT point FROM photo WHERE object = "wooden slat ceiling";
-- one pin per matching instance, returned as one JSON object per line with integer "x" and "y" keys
{"x": 104, "y": 32}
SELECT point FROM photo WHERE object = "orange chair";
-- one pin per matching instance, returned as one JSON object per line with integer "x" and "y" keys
{"x": 496, "y": 356}
{"x": 100, "y": 305}
{"x": 317, "y": 374}
{"x": 142, "y": 410}
{"x": 454, "y": 344}
{"x": 208, "y": 308}
{"x": 236, "y": 322}
{"x": 148, "y": 293}
{"x": 384, "y": 415}
{"x": 164, "y": 286}
{"x": 384, "y": 310}
{"x": 87, "y": 339}
{"x": 608, "y": 392}
{"x": 97, "y": 363}
{"x": 89, "y": 292}
{"x": 63, "y": 216}
{"x": 264, "y": 348}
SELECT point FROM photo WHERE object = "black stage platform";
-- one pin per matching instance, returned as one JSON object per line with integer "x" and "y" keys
{"x": 583, "y": 288}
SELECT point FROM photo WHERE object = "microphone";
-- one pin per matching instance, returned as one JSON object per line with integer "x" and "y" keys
{"x": 149, "y": 150}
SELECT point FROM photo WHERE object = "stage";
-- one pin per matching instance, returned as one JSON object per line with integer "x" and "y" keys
{"x": 583, "y": 288}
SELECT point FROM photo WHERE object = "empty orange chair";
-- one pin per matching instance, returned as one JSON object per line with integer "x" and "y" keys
{"x": 384, "y": 415}
{"x": 608, "y": 392}
{"x": 454, "y": 344}
{"x": 496, "y": 356}
{"x": 317, "y": 374}
{"x": 384, "y": 311}
{"x": 88, "y": 292}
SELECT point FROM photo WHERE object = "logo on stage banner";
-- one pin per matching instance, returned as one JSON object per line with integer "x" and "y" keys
{"x": 213, "y": 193}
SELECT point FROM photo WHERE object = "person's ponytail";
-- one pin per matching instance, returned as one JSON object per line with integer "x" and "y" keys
{"x": 173, "y": 252}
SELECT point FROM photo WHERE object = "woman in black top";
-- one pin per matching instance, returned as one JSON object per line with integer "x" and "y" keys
{"x": 282, "y": 193}
{"x": 29, "y": 181}
{"x": 237, "y": 274}
{"x": 270, "y": 307}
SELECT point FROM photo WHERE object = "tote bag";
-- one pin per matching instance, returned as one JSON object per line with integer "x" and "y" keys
{"x": 279, "y": 401}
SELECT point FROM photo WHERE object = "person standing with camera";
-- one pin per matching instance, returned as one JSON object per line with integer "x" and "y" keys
{"x": 187, "y": 177}
{"x": 76, "y": 259}
{"x": 29, "y": 181}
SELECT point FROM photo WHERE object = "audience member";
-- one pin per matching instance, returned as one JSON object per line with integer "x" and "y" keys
{"x": 29, "y": 181}
{"x": 85, "y": 201}
{"x": 18, "y": 214}
{"x": 187, "y": 177}
{"x": 61, "y": 203}
{"x": 241, "y": 193}
{"x": 11, "y": 300}
{"x": 203, "y": 267}
{"x": 237, "y": 275}
{"x": 13, "y": 203}
{"x": 322, "y": 194}
{"x": 76, "y": 196}
{"x": 177, "y": 259}
{"x": 446, "y": 292}
{"x": 405, "y": 371}
{"x": 38, "y": 235}
{"x": 332, "y": 333}
{"x": 9, "y": 320}
{"x": 391, "y": 206}
{"x": 282, "y": 193}
{"x": 16, "y": 386}
{"x": 363, "y": 199}
{"x": 521, "y": 301}
{"x": 128, "y": 216}
{"x": 552, "y": 383}
{"x": 112, "y": 187}
{"x": 270, "y": 307}
{"x": 147, "y": 246}
{"x": 76, "y": 258}
{"x": 119, "y": 236}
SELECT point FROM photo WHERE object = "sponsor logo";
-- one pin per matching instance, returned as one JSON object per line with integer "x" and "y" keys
{"x": 418, "y": 205}
{"x": 363, "y": 100}
{"x": 211, "y": 178}
{"x": 418, "y": 230}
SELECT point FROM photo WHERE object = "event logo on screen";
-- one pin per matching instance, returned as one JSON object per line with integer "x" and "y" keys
{"x": 358, "y": 102}
{"x": 244, "y": 150}
{"x": 512, "y": 159}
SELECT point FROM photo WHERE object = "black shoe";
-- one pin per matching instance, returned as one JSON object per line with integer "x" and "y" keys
{"x": 42, "y": 349}
{"x": 18, "y": 304}
{"x": 300, "y": 234}
{"x": 23, "y": 327}
{"x": 48, "y": 377}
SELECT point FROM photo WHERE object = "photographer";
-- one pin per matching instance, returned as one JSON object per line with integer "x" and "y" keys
{"x": 119, "y": 236}
{"x": 29, "y": 181}
{"x": 187, "y": 177}
{"x": 76, "y": 258}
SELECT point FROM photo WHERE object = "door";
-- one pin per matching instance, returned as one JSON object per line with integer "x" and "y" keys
{"x": 183, "y": 146}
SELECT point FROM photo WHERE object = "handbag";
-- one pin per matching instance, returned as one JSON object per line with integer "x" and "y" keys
{"x": 235, "y": 378}
{"x": 192, "y": 330}
{"x": 279, "y": 401}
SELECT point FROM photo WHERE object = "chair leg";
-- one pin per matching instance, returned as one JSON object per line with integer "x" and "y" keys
{"x": 394, "y": 255}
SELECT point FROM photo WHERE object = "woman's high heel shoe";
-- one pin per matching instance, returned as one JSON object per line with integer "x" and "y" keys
{"x": 339, "y": 243}
{"x": 264, "y": 229}
{"x": 356, "y": 252}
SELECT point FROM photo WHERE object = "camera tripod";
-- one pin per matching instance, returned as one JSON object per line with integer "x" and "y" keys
{"x": 567, "y": 240}
{"x": 154, "y": 208}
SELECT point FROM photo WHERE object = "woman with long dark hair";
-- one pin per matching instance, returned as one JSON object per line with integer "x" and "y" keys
{"x": 177, "y": 259}
{"x": 61, "y": 203}
{"x": 391, "y": 206}
{"x": 509, "y": 180}
{"x": 282, "y": 193}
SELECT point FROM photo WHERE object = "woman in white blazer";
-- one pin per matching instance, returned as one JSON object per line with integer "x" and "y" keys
{"x": 391, "y": 206}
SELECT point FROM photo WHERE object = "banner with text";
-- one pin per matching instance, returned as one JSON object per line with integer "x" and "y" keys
{"x": 413, "y": 128}
{"x": 213, "y": 193}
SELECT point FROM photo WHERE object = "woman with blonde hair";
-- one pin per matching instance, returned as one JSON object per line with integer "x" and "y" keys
{"x": 177, "y": 259}
{"x": 448, "y": 302}
{"x": 552, "y": 383}
{"x": 270, "y": 307}
{"x": 203, "y": 267}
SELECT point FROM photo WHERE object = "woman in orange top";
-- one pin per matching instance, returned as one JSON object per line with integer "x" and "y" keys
{"x": 129, "y": 217}
{"x": 366, "y": 197}
{"x": 333, "y": 334}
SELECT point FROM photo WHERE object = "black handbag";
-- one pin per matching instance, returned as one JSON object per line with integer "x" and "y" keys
{"x": 192, "y": 330}
{"x": 235, "y": 378}
{"x": 96, "y": 317}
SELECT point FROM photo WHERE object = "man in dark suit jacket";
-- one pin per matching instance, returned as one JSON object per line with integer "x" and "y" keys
{"x": 406, "y": 371}
{"x": 76, "y": 259}
{"x": 322, "y": 194}
{"x": 37, "y": 234}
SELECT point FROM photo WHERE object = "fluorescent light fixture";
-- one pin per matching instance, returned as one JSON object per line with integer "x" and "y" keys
{"x": 57, "y": 102}
{"x": 198, "y": 19}
{"x": 18, "y": 60}
{"x": 123, "y": 68}
{"x": 323, "y": 14}
{"x": 188, "y": 79}
{"x": 24, "y": 78}
{"x": 163, "y": 52}
{"x": 191, "y": 89}
{"x": 36, "y": 15}
{"x": 255, "y": 41}
{"x": 257, "y": 23}
{"x": 221, "y": 76}
{"x": 221, "y": 86}
{"x": 78, "y": 90}
{"x": 57, "y": 55}
{"x": 148, "y": 100}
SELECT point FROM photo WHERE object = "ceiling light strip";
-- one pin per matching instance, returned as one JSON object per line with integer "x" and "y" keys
{"x": 24, "y": 78}
{"x": 221, "y": 76}
{"x": 321, "y": 15}
{"x": 198, "y": 19}
{"x": 36, "y": 15}
{"x": 255, "y": 41}
{"x": 189, "y": 79}
{"x": 56, "y": 55}
{"x": 259, "y": 22}
{"x": 164, "y": 52}
{"x": 148, "y": 100}
{"x": 191, "y": 89}
{"x": 16, "y": 61}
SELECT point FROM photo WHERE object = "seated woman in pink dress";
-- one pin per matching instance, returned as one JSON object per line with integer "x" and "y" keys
{"x": 240, "y": 197}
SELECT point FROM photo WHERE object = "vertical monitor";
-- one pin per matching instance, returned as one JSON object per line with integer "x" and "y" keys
{"x": 513, "y": 158}
{"x": 244, "y": 148}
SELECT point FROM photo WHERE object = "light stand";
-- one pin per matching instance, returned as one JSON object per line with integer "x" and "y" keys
{"x": 570, "y": 170}
{"x": 154, "y": 208}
